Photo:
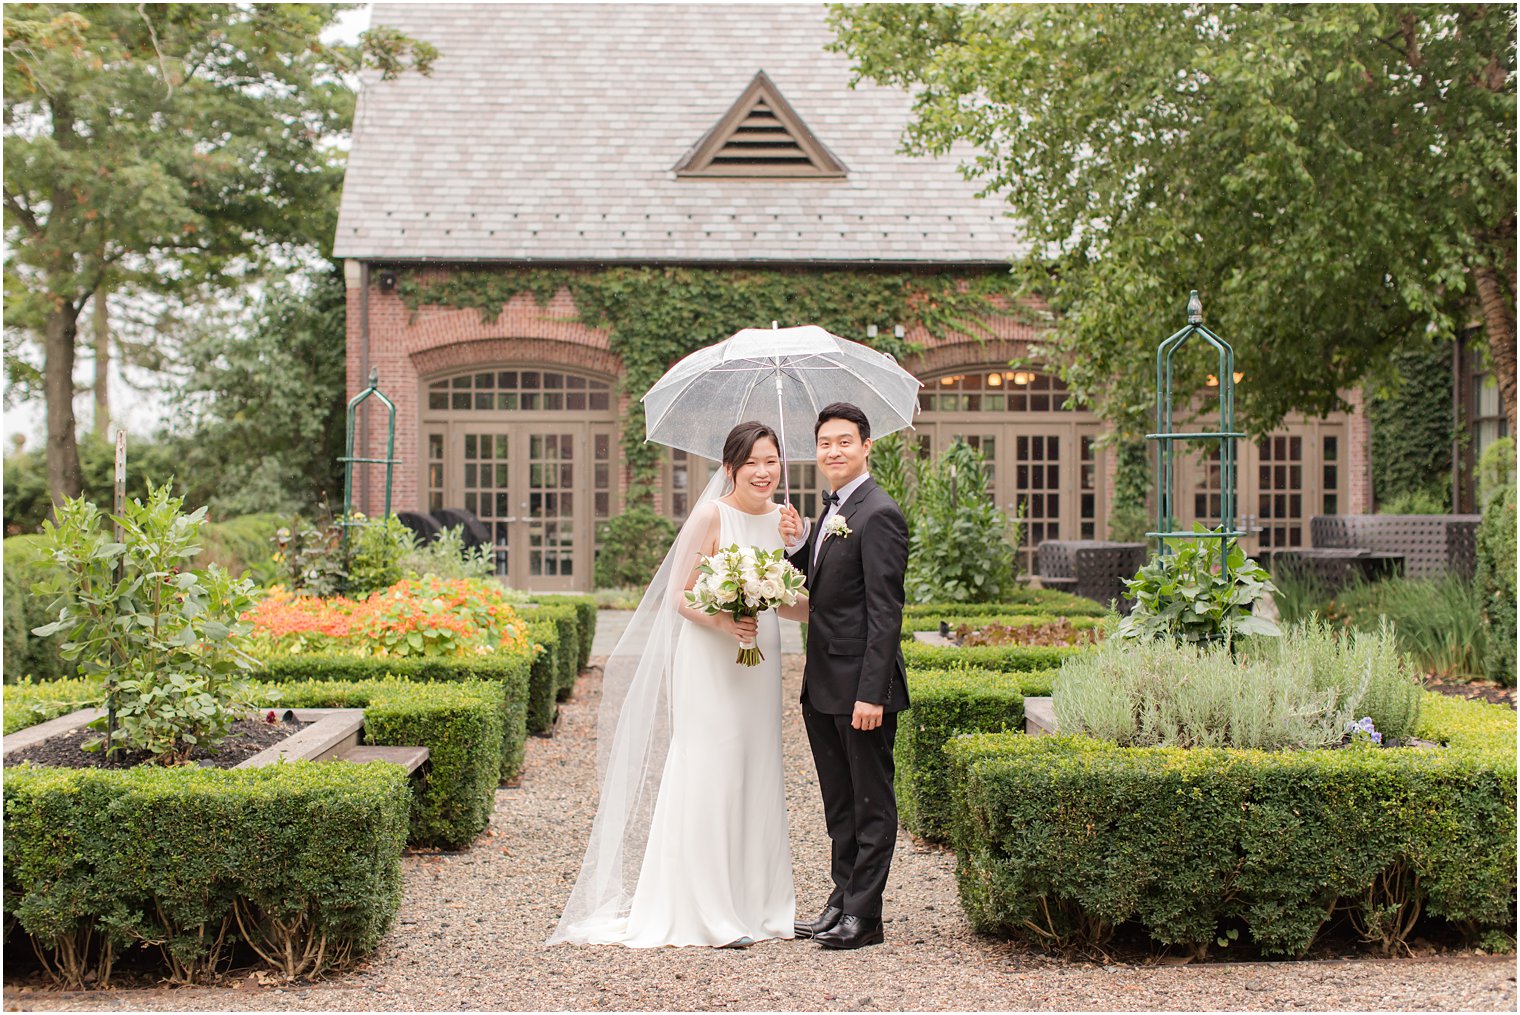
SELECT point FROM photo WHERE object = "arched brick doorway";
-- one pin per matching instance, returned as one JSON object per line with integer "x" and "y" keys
{"x": 530, "y": 449}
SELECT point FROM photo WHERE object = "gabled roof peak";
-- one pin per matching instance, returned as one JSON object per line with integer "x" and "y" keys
{"x": 762, "y": 137}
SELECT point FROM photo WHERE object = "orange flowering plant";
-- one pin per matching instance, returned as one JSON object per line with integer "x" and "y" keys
{"x": 417, "y": 617}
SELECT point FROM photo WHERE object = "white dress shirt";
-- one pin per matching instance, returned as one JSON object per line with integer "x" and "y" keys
{"x": 845, "y": 493}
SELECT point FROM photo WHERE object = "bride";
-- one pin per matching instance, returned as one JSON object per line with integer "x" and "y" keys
{"x": 689, "y": 845}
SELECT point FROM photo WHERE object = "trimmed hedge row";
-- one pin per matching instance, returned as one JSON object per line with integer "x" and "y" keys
{"x": 509, "y": 671}
{"x": 543, "y": 678}
{"x": 566, "y": 618}
{"x": 1049, "y": 602}
{"x": 946, "y": 704}
{"x": 1061, "y": 839}
{"x": 461, "y": 724}
{"x": 585, "y": 613}
{"x": 978, "y": 620}
{"x": 1002, "y": 658}
{"x": 301, "y": 861}
{"x": 31, "y": 702}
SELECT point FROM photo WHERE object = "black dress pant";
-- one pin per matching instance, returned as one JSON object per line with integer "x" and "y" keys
{"x": 855, "y": 771}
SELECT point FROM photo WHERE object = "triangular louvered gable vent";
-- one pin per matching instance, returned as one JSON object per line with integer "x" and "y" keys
{"x": 761, "y": 136}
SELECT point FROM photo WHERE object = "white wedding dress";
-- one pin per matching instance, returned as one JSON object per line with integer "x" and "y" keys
{"x": 717, "y": 866}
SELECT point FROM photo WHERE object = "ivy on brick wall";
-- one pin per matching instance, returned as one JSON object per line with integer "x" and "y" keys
{"x": 654, "y": 316}
{"x": 1411, "y": 433}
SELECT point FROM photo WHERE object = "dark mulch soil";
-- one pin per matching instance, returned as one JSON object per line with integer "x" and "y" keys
{"x": 247, "y": 738}
{"x": 1473, "y": 690}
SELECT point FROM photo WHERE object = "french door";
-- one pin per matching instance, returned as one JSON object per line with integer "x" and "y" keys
{"x": 539, "y": 489}
{"x": 1049, "y": 470}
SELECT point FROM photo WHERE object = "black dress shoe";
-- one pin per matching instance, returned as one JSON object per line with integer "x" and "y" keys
{"x": 852, "y": 932}
{"x": 826, "y": 921}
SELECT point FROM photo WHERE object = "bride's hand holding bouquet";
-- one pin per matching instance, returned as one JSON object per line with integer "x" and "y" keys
{"x": 744, "y": 582}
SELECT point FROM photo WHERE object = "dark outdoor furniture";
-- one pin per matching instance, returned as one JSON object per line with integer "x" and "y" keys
{"x": 475, "y": 531}
{"x": 423, "y": 526}
{"x": 1431, "y": 545}
{"x": 1333, "y": 568}
{"x": 1092, "y": 568}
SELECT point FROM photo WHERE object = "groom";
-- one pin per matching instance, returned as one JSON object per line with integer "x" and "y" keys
{"x": 854, "y": 683}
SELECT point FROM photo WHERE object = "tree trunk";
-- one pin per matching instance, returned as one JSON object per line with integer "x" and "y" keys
{"x": 102, "y": 321}
{"x": 65, "y": 478}
{"x": 1499, "y": 322}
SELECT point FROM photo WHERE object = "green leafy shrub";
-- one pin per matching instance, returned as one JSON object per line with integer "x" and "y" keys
{"x": 26, "y": 653}
{"x": 461, "y": 723}
{"x": 507, "y": 670}
{"x": 1496, "y": 470}
{"x": 1298, "y": 691}
{"x": 1495, "y": 583}
{"x": 242, "y": 546}
{"x": 447, "y": 556}
{"x": 1184, "y": 596}
{"x": 301, "y": 861}
{"x": 629, "y": 548}
{"x": 946, "y": 704}
{"x": 157, "y": 632}
{"x": 1061, "y": 839}
{"x": 961, "y": 548}
{"x": 374, "y": 559}
{"x": 894, "y": 468}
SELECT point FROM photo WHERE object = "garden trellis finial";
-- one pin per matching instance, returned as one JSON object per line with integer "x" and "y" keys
{"x": 1166, "y": 437}
{"x": 390, "y": 461}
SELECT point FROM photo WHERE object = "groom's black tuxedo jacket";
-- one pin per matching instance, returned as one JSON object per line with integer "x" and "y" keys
{"x": 855, "y": 591}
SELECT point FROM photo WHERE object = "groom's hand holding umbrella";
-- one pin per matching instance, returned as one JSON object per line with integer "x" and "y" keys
{"x": 790, "y": 525}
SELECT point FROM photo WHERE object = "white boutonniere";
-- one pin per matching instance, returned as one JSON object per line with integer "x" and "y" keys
{"x": 836, "y": 527}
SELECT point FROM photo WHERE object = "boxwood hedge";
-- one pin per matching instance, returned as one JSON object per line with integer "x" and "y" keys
{"x": 462, "y": 726}
{"x": 946, "y": 704}
{"x": 1050, "y": 602}
{"x": 1003, "y": 658}
{"x": 509, "y": 670}
{"x": 1061, "y": 839}
{"x": 565, "y": 617}
{"x": 462, "y": 723}
{"x": 585, "y": 614}
{"x": 300, "y": 861}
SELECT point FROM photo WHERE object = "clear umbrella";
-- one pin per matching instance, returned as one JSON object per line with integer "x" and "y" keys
{"x": 779, "y": 376}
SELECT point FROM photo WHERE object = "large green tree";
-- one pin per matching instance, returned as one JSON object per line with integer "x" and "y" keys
{"x": 164, "y": 149}
{"x": 1337, "y": 180}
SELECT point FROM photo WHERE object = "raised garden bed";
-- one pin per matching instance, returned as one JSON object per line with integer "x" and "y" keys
{"x": 1061, "y": 840}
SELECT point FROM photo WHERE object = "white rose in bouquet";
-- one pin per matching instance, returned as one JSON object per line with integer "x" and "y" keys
{"x": 745, "y": 582}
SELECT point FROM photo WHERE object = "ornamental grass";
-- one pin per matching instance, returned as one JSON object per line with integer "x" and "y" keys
{"x": 416, "y": 617}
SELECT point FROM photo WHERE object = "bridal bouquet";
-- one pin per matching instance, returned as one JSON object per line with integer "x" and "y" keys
{"x": 745, "y": 581}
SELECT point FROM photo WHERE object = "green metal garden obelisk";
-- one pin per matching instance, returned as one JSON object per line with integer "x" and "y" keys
{"x": 1167, "y": 439}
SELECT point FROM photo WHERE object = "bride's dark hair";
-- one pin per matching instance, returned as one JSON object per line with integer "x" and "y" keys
{"x": 741, "y": 441}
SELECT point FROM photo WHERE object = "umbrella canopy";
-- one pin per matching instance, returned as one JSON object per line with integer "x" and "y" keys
{"x": 779, "y": 376}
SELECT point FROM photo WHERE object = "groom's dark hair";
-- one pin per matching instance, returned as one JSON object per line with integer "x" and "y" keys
{"x": 845, "y": 411}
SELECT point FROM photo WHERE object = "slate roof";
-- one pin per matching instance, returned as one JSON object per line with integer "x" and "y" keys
{"x": 548, "y": 132}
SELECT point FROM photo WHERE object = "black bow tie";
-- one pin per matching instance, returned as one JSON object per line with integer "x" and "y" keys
{"x": 829, "y": 499}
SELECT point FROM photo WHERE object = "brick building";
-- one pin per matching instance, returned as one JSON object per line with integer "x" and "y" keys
{"x": 570, "y": 136}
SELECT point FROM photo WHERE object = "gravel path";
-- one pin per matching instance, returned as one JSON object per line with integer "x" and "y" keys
{"x": 472, "y": 923}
